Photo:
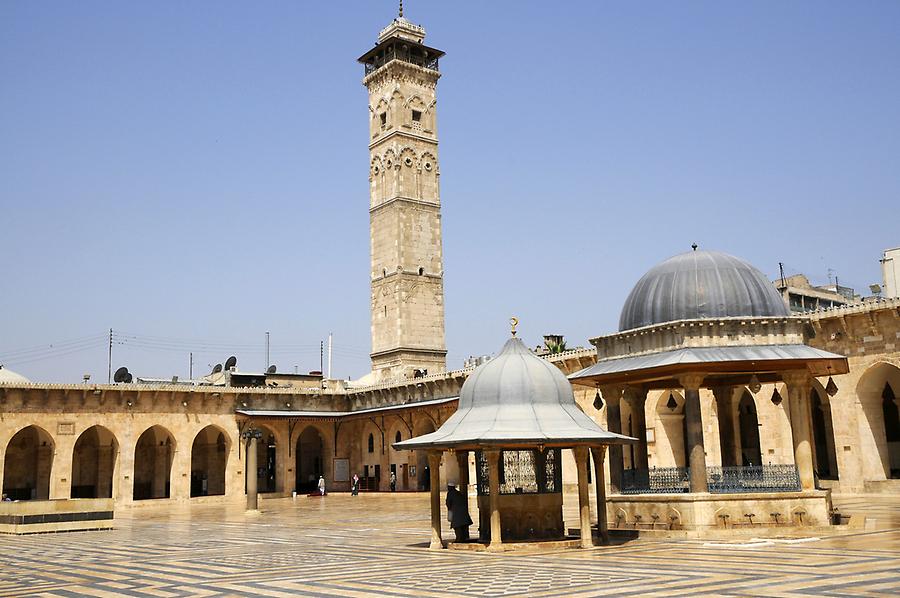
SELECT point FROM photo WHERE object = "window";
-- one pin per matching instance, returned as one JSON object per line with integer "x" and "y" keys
{"x": 417, "y": 116}
{"x": 398, "y": 437}
{"x": 421, "y": 271}
{"x": 371, "y": 443}
{"x": 383, "y": 117}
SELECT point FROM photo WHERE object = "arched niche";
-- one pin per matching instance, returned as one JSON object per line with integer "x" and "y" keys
{"x": 879, "y": 427}
{"x": 93, "y": 463}
{"x": 309, "y": 459}
{"x": 209, "y": 461}
{"x": 27, "y": 464}
{"x": 153, "y": 456}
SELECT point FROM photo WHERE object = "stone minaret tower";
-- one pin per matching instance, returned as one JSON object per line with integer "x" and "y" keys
{"x": 401, "y": 74}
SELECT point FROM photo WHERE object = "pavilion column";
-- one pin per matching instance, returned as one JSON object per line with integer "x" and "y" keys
{"x": 612, "y": 396}
{"x": 799, "y": 384}
{"x": 434, "y": 466}
{"x": 584, "y": 501}
{"x": 697, "y": 456}
{"x": 599, "y": 454}
{"x": 637, "y": 399}
{"x": 724, "y": 406}
{"x": 493, "y": 460}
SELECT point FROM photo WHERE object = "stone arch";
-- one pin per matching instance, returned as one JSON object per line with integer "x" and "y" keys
{"x": 396, "y": 109}
{"x": 390, "y": 174}
{"x": 422, "y": 478}
{"x": 380, "y": 117}
{"x": 209, "y": 461}
{"x": 28, "y": 463}
{"x": 310, "y": 458}
{"x": 415, "y": 106}
{"x": 748, "y": 424}
{"x": 824, "y": 454}
{"x": 671, "y": 448}
{"x": 878, "y": 389}
{"x": 377, "y": 180}
{"x": 398, "y": 461}
{"x": 94, "y": 460}
{"x": 428, "y": 177}
{"x": 407, "y": 173}
{"x": 154, "y": 453}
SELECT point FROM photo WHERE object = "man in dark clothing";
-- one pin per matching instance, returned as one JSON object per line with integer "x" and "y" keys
{"x": 458, "y": 512}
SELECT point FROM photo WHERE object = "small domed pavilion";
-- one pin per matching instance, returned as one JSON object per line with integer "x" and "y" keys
{"x": 517, "y": 412}
{"x": 705, "y": 319}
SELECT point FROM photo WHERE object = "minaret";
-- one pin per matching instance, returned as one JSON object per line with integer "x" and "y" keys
{"x": 407, "y": 273}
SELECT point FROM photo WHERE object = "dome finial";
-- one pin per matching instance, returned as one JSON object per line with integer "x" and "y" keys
{"x": 401, "y": 9}
{"x": 694, "y": 246}
{"x": 513, "y": 322}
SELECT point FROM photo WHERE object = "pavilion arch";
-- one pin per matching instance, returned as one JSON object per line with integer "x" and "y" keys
{"x": 878, "y": 391}
{"x": 94, "y": 460}
{"x": 748, "y": 430}
{"x": 209, "y": 461}
{"x": 824, "y": 453}
{"x": 670, "y": 434}
{"x": 310, "y": 458}
{"x": 153, "y": 456}
{"x": 27, "y": 465}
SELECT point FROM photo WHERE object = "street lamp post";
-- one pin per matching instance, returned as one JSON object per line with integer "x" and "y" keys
{"x": 250, "y": 436}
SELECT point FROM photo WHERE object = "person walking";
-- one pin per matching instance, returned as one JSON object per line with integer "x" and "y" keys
{"x": 354, "y": 485}
{"x": 458, "y": 512}
{"x": 322, "y": 485}
{"x": 393, "y": 482}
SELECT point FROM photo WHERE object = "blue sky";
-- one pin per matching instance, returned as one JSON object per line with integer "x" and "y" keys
{"x": 193, "y": 175}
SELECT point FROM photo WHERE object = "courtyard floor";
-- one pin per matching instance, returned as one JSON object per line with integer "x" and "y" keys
{"x": 375, "y": 544}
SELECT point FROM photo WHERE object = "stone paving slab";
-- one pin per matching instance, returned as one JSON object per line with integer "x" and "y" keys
{"x": 375, "y": 545}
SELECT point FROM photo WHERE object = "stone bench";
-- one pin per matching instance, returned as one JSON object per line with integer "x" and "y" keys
{"x": 48, "y": 516}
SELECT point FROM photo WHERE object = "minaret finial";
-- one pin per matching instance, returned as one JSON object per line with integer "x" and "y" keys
{"x": 401, "y": 9}
{"x": 513, "y": 322}
{"x": 694, "y": 246}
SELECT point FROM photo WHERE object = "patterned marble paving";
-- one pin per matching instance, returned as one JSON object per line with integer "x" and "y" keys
{"x": 374, "y": 545}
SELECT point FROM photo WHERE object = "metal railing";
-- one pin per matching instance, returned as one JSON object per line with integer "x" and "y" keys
{"x": 757, "y": 478}
{"x": 721, "y": 480}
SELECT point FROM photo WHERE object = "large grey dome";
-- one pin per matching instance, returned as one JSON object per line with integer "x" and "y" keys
{"x": 700, "y": 284}
{"x": 517, "y": 398}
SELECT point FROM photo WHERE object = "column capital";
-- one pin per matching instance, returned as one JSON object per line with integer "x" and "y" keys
{"x": 797, "y": 378}
{"x": 580, "y": 453}
{"x": 692, "y": 381}
{"x": 611, "y": 392}
{"x": 722, "y": 392}
{"x": 492, "y": 455}
{"x": 635, "y": 393}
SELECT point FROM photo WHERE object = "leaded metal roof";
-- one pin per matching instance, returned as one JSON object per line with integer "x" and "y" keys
{"x": 700, "y": 284}
{"x": 516, "y": 399}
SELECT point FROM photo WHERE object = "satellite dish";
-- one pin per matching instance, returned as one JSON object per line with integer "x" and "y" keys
{"x": 230, "y": 362}
{"x": 122, "y": 375}
{"x": 217, "y": 369}
{"x": 271, "y": 369}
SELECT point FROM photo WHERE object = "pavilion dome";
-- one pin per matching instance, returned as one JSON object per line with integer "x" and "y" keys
{"x": 517, "y": 398}
{"x": 7, "y": 376}
{"x": 697, "y": 285}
